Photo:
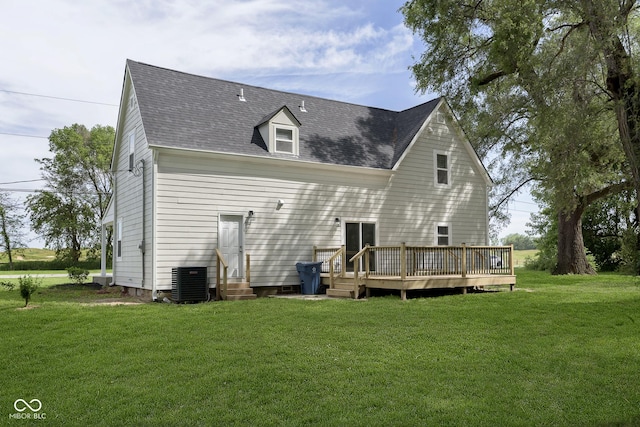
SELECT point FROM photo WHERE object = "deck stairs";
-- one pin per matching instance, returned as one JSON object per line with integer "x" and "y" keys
{"x": 343, "y": 287}
{"x": 239, "y": 291}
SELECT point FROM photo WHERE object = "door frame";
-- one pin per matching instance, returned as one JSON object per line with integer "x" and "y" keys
{"x": 360, "y": 222}
{"x": 241, "y": 239}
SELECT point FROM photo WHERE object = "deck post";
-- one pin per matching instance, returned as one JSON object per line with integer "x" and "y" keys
{"x": 218, "y": 278}
{"x": 366, "y": 261}
{"x": 403, "y": 260}
{"x": 248, "y": 268}
{"x": 343, "y": 260}
{"x": 355, "y": 280}
{"x": 403, "y": 293}
{"x": 511, "y": 266}
{"x": 464, "y": 260}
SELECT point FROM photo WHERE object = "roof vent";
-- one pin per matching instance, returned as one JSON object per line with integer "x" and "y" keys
{"x": 241, "y": 97}
{"x": 304, "y": 110}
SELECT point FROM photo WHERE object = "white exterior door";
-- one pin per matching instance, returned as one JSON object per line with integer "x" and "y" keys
{"x": 230, "y": 243}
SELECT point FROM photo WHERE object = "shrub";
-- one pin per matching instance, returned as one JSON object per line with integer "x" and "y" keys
{"x": 7, "y": 285}
{"x": 28, "y": 286}
{"x": 78, "y": 275}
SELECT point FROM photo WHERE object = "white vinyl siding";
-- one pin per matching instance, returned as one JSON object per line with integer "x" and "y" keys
{"x": 194, "y": 189}
{"x": 129, "y": 196}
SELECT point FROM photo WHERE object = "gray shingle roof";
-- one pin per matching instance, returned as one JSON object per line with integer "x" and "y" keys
{"x": 181, "y": 110}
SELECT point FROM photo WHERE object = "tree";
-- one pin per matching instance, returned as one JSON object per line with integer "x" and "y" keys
{"x": 532, "y": 77}
{"x": 11, "y": 226}
{"x": 68, "y": 212}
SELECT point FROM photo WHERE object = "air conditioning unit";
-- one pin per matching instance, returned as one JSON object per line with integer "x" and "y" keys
{"x": 189, "y": 284}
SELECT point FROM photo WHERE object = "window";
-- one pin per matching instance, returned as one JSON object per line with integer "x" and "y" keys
{"x": 284, "y": 140}
{"x": 132, "y": 150}
{"x": 443, "y": 235}
{"x": 443, "y": 169}
{"x": 119, "y": 240}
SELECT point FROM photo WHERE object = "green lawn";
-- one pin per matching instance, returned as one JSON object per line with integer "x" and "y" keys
{"x": 561, "y": 351}
{"x": 520, "y": 257}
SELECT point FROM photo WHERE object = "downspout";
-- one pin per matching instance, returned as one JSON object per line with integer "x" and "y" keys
{"x": 114, "y": 269}
{"x": 144, "y": 216}
{"x": 154, "y": 251}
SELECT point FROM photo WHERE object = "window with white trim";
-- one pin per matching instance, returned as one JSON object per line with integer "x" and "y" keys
{"x": 443, "y": 234}
{"x": 119, "y": 240}
{"x": 442, "y": 167}
{"x": 132, "y": 150}
{"x": 285, "y": 140}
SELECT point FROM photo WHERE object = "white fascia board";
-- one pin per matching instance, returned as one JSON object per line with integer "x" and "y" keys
{"x": 285, "y": 162}
{"x": 121, "y": 119}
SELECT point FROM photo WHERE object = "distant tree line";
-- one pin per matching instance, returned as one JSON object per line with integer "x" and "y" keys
{"x": 67, "y": 213}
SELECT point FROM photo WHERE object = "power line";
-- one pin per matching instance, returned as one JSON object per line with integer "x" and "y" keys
{"x": 58, "y": 97}
{"x": 23, "y": 135}
{"x": 20, "y": 182}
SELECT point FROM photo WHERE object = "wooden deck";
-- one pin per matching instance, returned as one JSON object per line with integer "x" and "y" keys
{"x": 344, "y": 287}
{"x": 407, "y": 268}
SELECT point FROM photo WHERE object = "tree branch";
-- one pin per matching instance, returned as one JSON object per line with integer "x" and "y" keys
{"x": 483, "y": 81}
{"x": 512, "y": 192}
{"x": 605, "y": 192}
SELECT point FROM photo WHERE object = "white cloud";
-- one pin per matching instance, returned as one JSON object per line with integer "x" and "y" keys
{"x": 353, "y": 51}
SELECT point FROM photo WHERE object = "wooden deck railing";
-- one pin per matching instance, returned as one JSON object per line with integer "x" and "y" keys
{"x": 410, "y": 261}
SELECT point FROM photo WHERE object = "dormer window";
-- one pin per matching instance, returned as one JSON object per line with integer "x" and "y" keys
{"x": 280, "y": 132}
{"x": 284, "y": 139}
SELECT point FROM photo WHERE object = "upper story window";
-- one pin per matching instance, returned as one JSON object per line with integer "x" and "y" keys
{"x": 284, "y": 140}
{"x": 132, "y": 150}
{"x": 442, "y": 169}
{"x": 119, "y": 240}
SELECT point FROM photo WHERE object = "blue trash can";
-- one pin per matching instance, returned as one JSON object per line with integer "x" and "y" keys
{"x": 309, "y": 277}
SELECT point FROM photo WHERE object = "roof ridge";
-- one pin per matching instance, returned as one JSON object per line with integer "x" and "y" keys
{"x": 247, "y": 85}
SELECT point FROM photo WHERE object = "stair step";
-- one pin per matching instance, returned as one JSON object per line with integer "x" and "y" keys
{"x": 239, "y": 291}
{"x": 340, "y": 293}
{"x": 238, "y": 285}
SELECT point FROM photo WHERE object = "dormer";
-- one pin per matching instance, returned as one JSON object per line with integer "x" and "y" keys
{"x": 280, "y": 132}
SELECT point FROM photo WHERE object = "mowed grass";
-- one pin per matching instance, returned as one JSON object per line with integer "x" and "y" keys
{"x": 558, "y": 351}
{"x": 520, "y": 257}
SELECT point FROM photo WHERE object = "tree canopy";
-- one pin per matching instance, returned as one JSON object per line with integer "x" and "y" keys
{"x": 78, "y": 184}
{"x": 546, "y": 90}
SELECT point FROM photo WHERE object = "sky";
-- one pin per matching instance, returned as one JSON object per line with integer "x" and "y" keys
{"x": 63, "y": 62}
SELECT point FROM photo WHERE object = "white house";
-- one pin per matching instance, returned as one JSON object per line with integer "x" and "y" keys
{"x": 201, "y": 163}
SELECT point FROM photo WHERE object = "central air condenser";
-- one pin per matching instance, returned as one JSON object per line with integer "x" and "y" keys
{"x": 189, "y": 284}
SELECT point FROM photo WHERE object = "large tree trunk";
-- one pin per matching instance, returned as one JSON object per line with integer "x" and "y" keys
{"x": 572, "y": 258}
{"x": 622, "y": 84}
